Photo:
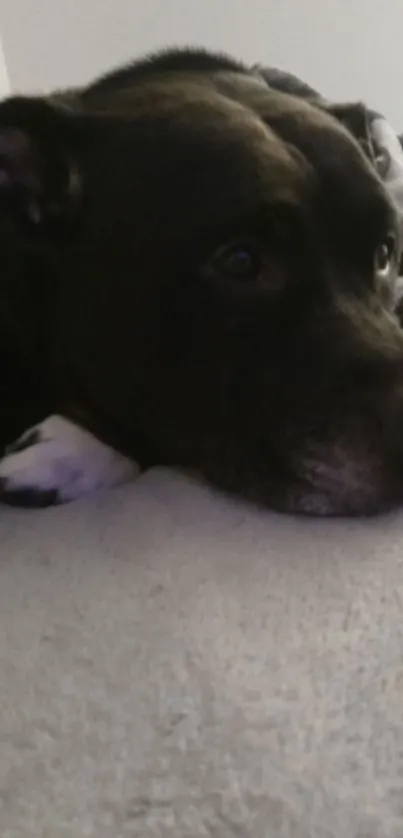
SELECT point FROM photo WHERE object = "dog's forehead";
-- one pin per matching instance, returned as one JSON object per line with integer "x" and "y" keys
{"x": 190, "y": 143}
{"x": 338, "y": 160}
{"x": 226, "y": 146}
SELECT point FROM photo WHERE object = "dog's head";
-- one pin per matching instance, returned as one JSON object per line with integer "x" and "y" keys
{"x": 228, "y": 287}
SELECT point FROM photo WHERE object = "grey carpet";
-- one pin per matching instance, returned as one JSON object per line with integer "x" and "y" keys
{"x": 173, "y": 663}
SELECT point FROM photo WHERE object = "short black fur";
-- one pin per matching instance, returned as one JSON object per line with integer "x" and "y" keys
{"x": 282, "y": 383}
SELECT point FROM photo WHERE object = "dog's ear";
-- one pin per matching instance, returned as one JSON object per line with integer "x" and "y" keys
{"x": 39, "y": 175}
{"x": 354, "y": 116}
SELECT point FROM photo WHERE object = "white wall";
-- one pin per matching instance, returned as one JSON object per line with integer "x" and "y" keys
{"x": 4, "y": 81}
{"x": 347, "y": 48}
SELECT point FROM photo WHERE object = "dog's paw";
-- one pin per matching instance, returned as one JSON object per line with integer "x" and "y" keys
{"x": 58, "y": 461}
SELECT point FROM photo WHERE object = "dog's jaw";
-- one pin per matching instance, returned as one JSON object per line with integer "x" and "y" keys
{"x": 56, "y": 462}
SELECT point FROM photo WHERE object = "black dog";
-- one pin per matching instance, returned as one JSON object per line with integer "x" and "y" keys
{"x": 206, "y": 278}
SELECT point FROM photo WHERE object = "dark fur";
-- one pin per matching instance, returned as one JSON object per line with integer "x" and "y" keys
{"x": 286, "y": 388}
{"x": 169, "y": 61}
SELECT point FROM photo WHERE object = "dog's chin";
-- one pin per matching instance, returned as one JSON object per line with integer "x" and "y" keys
{"x": 336, "y": 483}
{"x": 324, "y": 495}
{"x": 347, "y": 478}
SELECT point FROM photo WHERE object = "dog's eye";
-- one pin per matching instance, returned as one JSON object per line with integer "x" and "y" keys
{"x": 238, "y": 262}
{"x": 384, "y": 257}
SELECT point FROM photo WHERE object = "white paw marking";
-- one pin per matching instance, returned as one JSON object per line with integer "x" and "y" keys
{"x": 64, "y": 459}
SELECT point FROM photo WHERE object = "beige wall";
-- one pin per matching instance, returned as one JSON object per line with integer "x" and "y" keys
{"x": 347, "y": 48}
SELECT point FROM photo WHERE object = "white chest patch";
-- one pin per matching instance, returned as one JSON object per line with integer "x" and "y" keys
{"x": 58, "y": 461}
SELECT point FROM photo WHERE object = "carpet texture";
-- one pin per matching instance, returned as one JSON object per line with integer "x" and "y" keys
{"x": 175, "y": 663}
